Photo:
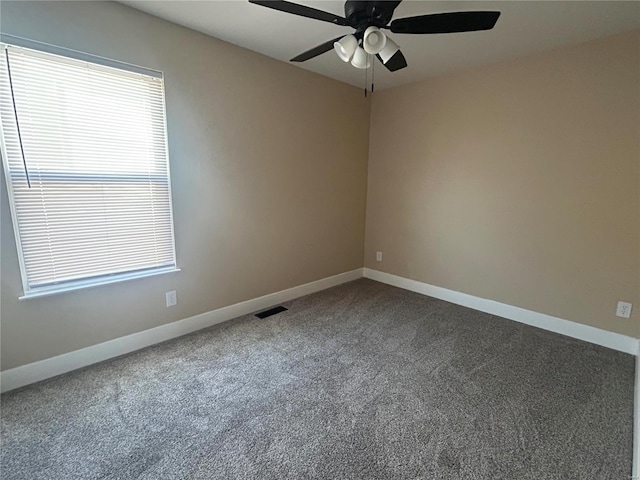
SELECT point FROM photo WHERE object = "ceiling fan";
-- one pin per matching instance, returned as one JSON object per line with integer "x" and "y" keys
{"x": 368, "y": 18}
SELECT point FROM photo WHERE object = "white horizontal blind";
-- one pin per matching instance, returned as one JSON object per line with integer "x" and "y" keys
{"x": 94, "y": 143}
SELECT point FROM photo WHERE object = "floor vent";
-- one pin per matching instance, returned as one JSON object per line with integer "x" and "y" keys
{"x": 271, "y": 311}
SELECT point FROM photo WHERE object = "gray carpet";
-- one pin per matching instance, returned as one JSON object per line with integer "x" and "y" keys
{"x": 361, "y": 381}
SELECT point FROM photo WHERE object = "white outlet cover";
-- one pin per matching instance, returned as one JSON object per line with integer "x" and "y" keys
{"x": 378, "y": 256}
{"x": 172, "y": 298}
{"x": 624, "y": 309}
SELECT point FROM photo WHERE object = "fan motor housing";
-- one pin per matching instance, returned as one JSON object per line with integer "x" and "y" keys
{"x": 361, "y": 14}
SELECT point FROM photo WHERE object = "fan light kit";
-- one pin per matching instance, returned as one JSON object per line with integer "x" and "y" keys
{"x": 373, "y": 41}
{"x": 368, "y": 18}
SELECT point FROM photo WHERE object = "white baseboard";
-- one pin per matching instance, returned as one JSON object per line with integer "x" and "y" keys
{"x": 34, "y": 372}
{"x": 580, "y": 331}
{"x": 50, "y": 367}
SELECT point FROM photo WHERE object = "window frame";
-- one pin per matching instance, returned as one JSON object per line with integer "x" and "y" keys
{"x": 97, "y": 280}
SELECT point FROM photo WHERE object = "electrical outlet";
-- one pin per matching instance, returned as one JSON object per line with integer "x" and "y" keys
{"x": 172, "y": 298}
{"x": 378, "y": 256}
{"x": 624, "y": 310}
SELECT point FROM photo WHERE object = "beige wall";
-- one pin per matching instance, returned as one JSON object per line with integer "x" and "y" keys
{"x": 516, "y": 182}
{"x": 268, "y": 166}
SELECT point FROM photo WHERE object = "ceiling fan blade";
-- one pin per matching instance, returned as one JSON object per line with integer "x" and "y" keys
{"x": 446, "y": 22}
{"x": 395, "y": 63}
{"x": 303, "y": 11}
{"x": 314, "y": 52}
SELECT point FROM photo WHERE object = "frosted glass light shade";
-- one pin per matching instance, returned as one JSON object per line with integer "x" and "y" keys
{"x": 361, "y": 58}
{"x": 374, "y": 40}
{"x": 388, "y": 51}
{"x": 346, "y": 47}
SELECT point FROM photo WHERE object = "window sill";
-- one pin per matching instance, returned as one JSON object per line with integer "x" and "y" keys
{"x": 83, "y": 284}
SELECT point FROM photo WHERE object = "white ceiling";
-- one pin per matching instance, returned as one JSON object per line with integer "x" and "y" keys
{"x": 524, "y": 27}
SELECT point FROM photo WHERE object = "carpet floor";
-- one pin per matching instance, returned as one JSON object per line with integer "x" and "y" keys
{"x": 361, "y": 381}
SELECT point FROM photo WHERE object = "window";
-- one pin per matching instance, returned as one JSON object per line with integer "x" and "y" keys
{"x": 85, "y": 158}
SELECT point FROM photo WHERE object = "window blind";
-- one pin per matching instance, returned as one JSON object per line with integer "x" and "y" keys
{"x": 94, "y": 145}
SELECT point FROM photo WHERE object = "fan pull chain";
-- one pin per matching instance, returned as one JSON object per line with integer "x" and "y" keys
{"x": 15, "y": 113}
{"x": 373, "y": 71}
{"x": 365, "y": 82}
